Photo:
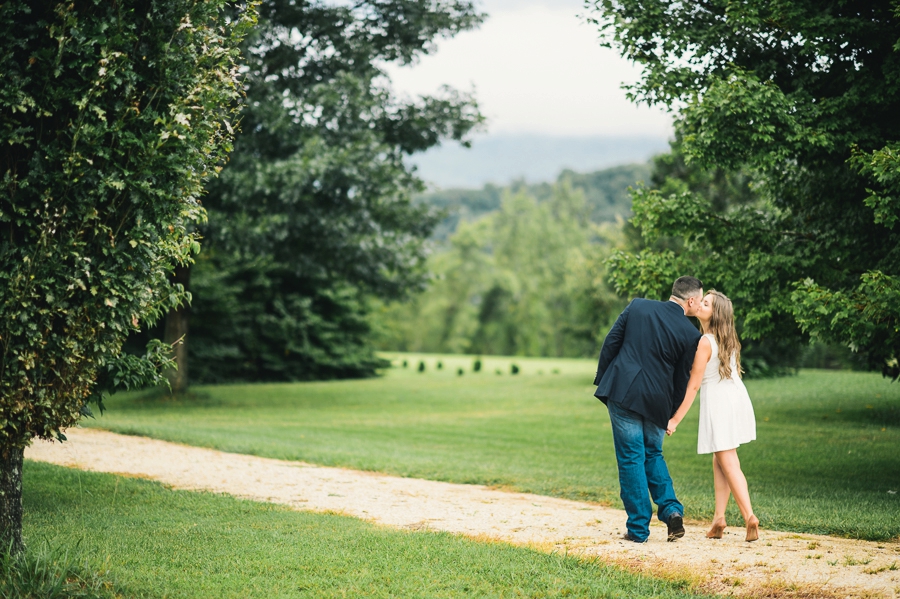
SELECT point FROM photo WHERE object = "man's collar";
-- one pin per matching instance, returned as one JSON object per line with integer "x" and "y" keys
{"x": 683, "y": 309}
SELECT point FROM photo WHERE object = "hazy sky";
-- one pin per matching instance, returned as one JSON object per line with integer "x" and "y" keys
{"x": 537, "y": 68}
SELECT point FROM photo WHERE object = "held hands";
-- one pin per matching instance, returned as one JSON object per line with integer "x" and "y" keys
{"x": 670, "y": 428}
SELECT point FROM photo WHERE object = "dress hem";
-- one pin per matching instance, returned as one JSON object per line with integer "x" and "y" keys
{"x": 724, "y": 448}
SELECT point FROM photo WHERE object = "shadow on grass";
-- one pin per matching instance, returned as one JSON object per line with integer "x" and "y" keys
{"x": 162, "y": 397}
{"x": 875, "y": 416}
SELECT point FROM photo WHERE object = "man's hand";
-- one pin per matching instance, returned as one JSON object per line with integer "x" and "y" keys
{"x": 670, "y": 428}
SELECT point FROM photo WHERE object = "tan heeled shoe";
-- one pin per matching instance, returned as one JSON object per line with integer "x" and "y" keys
{"x": 752, "y": 529}
{"x": 718, "y": 527}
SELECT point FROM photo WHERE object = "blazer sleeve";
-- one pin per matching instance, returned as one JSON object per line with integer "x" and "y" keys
{"x": 612, "y": 344}
{"x": 682, "y": 374}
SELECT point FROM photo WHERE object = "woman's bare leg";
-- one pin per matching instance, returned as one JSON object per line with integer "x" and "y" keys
{"x": 731, "y": 468}
{"x": 723, "y": 490}
{"x": 723, "y": 493}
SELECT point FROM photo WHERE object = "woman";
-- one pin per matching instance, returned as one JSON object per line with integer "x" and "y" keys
{"x": 726, "y": 414}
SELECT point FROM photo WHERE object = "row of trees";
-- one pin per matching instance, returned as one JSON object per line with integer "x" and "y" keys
{"x": 767, "y": 194}
{"x": 527, "y": 279}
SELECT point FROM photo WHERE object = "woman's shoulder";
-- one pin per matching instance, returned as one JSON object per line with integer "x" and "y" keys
{"x": 709, "y": 340}
{"x": 705, "y": 345}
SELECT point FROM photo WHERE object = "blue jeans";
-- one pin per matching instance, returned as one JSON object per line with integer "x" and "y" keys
{"x": 638, "y": 445}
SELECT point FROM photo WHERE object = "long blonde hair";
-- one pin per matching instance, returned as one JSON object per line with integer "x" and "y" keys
{"x": 721, "y": 325}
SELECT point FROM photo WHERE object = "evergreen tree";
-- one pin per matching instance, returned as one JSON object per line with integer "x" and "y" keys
{"x": 313, "y": 215}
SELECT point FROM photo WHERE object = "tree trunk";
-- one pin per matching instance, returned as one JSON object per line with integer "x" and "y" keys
{"x": 177, "y": 321}
{"x": 11, "y": 500}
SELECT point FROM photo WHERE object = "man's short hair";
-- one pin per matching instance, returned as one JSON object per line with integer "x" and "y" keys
{"x": 686, "y": 287}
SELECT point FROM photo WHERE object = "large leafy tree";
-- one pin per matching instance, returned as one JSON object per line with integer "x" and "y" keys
{"x": 804, "y": 96}
{"x": 722, "y": 192}
{"x": 113, "y": 116}
{"x": 313, "y": 215}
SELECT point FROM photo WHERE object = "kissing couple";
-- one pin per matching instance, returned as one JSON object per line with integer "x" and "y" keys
{"x": 653, "y": 362}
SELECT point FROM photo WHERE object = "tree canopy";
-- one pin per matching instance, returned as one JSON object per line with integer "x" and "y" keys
{"x": 313, "y": 215}
{"x": 803, "y": 97}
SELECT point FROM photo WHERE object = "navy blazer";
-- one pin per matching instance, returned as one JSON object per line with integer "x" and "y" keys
{"x": 646, "y": 359}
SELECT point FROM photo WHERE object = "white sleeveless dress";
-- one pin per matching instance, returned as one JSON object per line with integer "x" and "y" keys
{"x": 726, "y": 414}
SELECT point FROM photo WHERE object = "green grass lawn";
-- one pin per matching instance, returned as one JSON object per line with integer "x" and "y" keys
{"x": 157, "y": 542}
{"x": 826, "y": 459}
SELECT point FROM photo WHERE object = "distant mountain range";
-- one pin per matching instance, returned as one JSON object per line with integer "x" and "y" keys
{"x": 606, "y": 192}
{"x": 500, "y": 159}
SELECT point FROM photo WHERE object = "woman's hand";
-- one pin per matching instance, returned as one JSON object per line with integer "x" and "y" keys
{"x": 670, "y": 428}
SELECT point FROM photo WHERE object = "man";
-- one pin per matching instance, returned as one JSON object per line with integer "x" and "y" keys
{"x": 642, "y": 377}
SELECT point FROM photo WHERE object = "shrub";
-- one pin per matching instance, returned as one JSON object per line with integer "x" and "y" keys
{"x": 113, "y": 115}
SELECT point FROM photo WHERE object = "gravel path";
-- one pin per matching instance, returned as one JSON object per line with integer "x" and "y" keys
{"x": 779, "y": 564}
